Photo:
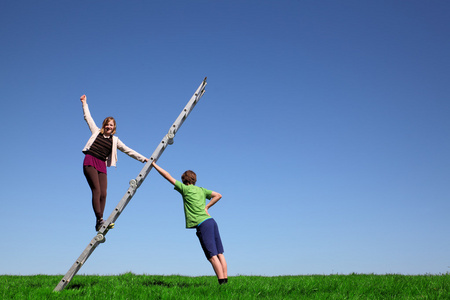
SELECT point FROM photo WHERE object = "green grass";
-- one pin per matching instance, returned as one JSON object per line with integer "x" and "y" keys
{"x": 131, "y": 286}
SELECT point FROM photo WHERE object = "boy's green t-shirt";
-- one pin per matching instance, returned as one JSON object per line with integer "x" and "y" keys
{"x": 194, "y": 200}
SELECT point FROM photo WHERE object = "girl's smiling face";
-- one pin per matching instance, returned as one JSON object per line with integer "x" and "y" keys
{"x": 109, "y": 126}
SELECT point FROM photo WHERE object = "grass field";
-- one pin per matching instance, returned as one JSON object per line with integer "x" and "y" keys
{"x": 131, "y": 286}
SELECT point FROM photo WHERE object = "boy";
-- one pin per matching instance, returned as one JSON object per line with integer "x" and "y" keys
{"x": 197, "y": 216}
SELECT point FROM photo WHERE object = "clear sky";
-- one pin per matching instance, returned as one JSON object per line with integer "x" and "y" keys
{"x": 325, "y": 126}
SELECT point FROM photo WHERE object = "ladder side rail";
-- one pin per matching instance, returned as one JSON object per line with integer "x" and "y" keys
{"x": 168, "y": 138}
{"x": 79, "y": 263}
{"x": 188, "y": 108}
{"x": 155, "y": 156}
{"x": 134, "y": 184}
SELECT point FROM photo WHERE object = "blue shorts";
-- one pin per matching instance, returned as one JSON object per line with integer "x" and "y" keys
{"x": 209, "y": 237}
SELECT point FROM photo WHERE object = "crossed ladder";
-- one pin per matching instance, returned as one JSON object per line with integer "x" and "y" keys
{"x": 134, "y": 185}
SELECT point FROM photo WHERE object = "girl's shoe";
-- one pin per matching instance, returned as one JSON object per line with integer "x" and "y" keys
{"x": 102, "y": 222}
{"x": 99, "y": 224}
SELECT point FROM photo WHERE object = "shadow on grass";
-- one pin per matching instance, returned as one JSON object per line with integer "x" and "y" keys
{"x": 75, "y": 286}
{"x": 170, "y": 284}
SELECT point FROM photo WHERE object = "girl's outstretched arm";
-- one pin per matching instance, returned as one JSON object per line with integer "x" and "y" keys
{"x": 87, "y": 115}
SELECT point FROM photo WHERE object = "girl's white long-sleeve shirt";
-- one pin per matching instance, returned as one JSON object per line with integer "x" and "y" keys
{"x": 116, "y": 144}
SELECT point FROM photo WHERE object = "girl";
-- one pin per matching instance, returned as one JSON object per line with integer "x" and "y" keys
{"x": 101, "y": 152}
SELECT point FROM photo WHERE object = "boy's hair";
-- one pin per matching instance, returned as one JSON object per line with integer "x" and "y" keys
{"x": 189, "y": 177}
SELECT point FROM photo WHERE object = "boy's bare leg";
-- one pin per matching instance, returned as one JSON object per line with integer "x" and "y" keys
{"x": 217, "y": 266}
{"x": 224, "y": 264}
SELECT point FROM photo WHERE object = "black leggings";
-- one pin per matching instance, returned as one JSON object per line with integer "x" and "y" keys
{"x": 98, "y": 183}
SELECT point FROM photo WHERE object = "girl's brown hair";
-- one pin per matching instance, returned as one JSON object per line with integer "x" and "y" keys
{"x": 105, "y": 121}
{"x": 189, "y": 177}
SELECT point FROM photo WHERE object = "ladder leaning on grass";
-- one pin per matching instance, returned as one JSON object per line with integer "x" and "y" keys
{"x": 134, "y": 184}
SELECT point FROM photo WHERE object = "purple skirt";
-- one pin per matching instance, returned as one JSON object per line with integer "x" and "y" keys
{"x": 98, "y": 164}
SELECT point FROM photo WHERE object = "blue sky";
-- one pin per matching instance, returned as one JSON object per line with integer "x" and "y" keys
{"x": 325, "y": 126}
